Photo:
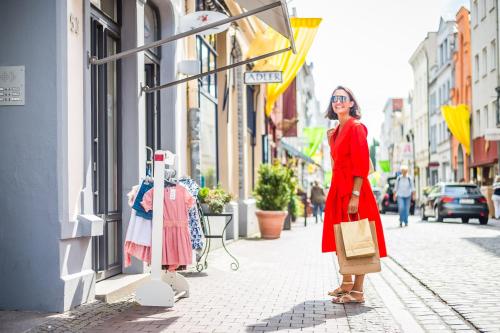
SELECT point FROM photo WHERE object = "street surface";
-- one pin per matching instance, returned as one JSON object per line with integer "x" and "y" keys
{"x": 440, "y": 277}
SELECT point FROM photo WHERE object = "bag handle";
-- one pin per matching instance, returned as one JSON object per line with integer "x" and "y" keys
{"x": 349, "y": 216}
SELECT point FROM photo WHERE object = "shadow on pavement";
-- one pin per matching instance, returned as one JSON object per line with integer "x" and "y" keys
{"x": 490, "y": 244}
{"x": 309, "y": 314}
{"x": 137, "y": 319}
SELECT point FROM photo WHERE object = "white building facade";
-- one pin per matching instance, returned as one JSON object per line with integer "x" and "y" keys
{"x": 485, "y": 80}
{"x": 440, "y": 85}
{"x": 421, "y": 60}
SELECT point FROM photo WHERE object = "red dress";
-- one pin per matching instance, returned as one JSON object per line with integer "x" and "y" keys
{"x": 350, "y": 154}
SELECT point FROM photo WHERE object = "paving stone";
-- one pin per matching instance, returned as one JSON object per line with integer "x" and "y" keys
{"x": 282, "y": 286}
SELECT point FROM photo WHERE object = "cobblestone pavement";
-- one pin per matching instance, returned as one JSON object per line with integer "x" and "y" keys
{"x": 281, "y": 286}
{"x": 458, "y": 262}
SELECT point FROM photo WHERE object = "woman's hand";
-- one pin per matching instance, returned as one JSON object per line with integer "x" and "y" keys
{"x": 353, "y": 205}
{"x": 329, "y": 132}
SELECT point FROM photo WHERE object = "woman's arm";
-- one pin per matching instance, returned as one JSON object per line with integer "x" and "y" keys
{"x": 354, "y": 202}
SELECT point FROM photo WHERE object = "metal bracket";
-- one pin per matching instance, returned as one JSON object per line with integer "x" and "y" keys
{"x": 146, "y": 89}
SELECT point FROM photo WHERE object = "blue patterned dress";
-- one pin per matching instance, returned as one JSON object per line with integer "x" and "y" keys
{"x": 194, "y": 218}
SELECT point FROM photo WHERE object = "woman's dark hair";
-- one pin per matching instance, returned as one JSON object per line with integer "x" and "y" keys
{"x": 353, "y": 112}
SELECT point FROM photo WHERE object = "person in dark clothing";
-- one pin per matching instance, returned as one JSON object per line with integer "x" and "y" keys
{"x": 318, "y": 200}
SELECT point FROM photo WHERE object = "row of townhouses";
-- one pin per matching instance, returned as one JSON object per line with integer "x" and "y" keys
{"x": 75, "y": 134}
{"x": 455, "y": 66}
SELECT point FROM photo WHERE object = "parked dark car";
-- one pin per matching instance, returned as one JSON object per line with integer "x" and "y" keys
{"x": 387, "y": 204}
{"x": 447, "y": 200}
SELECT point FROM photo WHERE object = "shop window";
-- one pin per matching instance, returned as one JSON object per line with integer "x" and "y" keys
{"x": 108, "y": 7}
{"x": 151, "y": 27}
{"x": 152, "y": 61}
{"x": 207, "y": 98}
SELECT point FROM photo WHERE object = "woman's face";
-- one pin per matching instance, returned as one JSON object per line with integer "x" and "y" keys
{"x": 341, "y": 103}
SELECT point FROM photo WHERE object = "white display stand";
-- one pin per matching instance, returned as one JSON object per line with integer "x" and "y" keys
{"x": 164, "y": 288}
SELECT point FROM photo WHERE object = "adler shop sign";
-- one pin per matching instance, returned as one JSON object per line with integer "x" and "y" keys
{"x": 263, "y": 77}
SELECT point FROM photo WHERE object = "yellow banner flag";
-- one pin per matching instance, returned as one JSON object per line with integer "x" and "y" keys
{"x": 458, "y": 120}
{"x": 304, "y": 31}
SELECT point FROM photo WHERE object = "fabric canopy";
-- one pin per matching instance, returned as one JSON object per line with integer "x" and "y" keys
{"x": 277, "y": 18}
{"x": 458, "y": 120}
{"x": 315, "y": 137}
{"x": 304, "y": 31}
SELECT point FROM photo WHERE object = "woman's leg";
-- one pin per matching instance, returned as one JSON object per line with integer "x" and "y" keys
{"x": 346, "y": 286}
{"x": 355, "y": 295}
{"x": 357, "y": 289}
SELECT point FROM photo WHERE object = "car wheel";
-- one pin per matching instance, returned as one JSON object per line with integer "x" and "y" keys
{"x": 483, "y": 220}
{"x": 438, "y": 217}
{"x": 422, "y": 214}
{"x": 465, "y": 220}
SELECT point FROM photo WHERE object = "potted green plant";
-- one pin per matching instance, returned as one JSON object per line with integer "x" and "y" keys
{"x": 272, "y": 194}
{"x": 213, "y": 200}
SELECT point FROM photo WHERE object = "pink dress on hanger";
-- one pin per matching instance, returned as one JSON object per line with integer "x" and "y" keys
{"x": 176, "y": 248}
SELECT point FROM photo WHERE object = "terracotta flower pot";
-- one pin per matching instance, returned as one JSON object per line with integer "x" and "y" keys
{"x": 270, "y": 223}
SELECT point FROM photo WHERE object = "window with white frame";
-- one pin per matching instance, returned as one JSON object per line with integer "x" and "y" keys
{"x": 433, "y": 138}
{"x": 492, "y": 4}
{"x": 475, "y": 13}
{"x": 484, "y": 115}
{"x": 477, "y": 123}
{"x": 433, "y": 102}
{"x": 484, "y": 69}
{"x": 493, "y": 54}
{"x": 497, "y": 112}
{"x": 482, "y": 8}
{"x": 441, "y": 55}
{"x": 476, "y": 67}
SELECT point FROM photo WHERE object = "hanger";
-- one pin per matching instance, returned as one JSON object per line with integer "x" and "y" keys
{"x": 170, "y": 179}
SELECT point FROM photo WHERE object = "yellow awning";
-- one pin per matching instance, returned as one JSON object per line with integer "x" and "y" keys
{"x": 458, "y": 120}
{"x": 304, "y": 31}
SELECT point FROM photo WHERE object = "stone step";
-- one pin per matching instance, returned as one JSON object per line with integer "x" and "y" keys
{"x": 119, "y": 286}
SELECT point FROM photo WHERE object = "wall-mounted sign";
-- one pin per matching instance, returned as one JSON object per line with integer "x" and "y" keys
{"x": 263, "y": 77}
{"x": 202, "y": 18}
{"x": 11, "y": 85}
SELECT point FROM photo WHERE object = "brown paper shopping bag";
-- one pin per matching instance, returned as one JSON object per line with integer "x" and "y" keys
{"x": 358, "y": 239}
{"x": 356, "y": 266}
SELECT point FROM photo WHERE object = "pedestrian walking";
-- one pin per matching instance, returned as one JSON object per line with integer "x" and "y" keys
{"x": 404, "y": 192}
{"x": 350, "y": 191}
{"x": 496, "y": 196}
{"x": 318, "y": 200}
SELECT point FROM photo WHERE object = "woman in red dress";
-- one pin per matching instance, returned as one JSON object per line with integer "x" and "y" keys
{"x": 350, "y": 191}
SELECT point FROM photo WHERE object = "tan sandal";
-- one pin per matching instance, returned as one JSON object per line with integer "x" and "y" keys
{"x": 347, "y": 298}
{"x": 339, "y": 291}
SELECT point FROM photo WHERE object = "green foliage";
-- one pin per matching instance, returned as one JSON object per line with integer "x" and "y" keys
{"x": 426, "y": 190}
{"x": 203, "y": 194}
{"x": 215, "y": 198}
{"x": 273, "y": 187}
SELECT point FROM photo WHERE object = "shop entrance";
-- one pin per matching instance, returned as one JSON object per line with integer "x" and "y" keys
{"x": 106, "y": 138}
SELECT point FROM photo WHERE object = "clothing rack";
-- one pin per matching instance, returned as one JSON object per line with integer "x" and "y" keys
{"x": 164, "y": 288}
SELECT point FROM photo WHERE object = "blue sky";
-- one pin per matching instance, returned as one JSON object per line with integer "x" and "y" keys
{"x": 366, "y": 44}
